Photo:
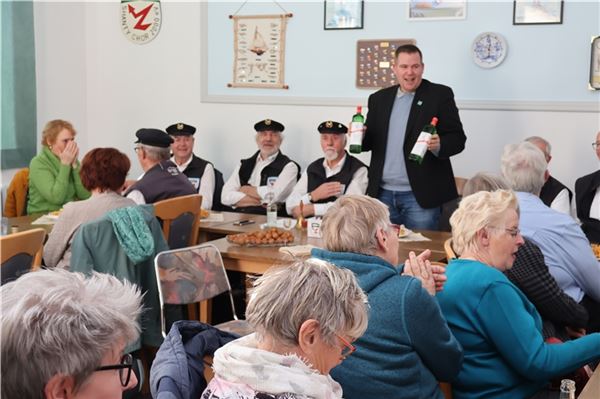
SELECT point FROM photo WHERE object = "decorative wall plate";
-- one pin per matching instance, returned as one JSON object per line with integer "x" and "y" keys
{"x": 489, "y": 49}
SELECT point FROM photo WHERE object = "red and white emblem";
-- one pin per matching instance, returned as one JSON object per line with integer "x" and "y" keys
{"x": 140, "y": 20}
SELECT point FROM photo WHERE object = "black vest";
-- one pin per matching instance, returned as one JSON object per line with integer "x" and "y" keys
{"x": 163, "y": 181}
{"x": 272, "y": 169}
{"x": 195, "y": 169}
{"x": 550, "y": 190}
{"x": 316, "y": 175}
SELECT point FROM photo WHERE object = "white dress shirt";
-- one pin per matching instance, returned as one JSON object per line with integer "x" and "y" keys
{"x": 207, "y": 181}
{"x": 282, "y": 188}
{"x": 562, "y": 203}
{"x": 358, "y": 185}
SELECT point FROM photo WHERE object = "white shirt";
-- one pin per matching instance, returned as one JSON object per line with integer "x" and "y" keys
{"x": 207, "y": 182}
{"x": 595, "y": 207}
{"x": 562, "y": 203}
{"x": 358, "y": 185}
{"x": 282, "y": 188}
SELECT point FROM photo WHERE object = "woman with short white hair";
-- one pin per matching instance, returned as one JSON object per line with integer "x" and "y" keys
{"x": 64, "y": 335}
{"x": 305, "y": 316}
{"x": 408, "y": 347}
{"x": 499, "y": 329}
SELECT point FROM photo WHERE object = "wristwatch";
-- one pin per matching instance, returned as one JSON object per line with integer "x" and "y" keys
{"x": 309, "y": 197}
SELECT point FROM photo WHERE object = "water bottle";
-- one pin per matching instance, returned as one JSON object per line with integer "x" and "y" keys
{"x": 4, "y": 226}
{"x": 567, "y": 389}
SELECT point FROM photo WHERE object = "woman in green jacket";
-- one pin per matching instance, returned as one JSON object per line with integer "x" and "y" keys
{"x": 54, "y": 173}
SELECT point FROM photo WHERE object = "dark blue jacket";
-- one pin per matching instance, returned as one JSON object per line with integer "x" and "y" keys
{"x": 178, "y": 369}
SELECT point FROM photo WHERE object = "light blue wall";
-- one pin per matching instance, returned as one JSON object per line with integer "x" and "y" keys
{"x": 544, "y": 62}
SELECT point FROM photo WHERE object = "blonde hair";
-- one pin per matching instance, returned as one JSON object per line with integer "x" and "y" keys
{"x": 350, "y": 224}
{"x": 477, "y": 211}
{"x": 286, "y": 296}
{"x": 53, "y": 128}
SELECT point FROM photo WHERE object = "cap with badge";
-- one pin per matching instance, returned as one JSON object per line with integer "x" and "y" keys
{"x": 268, "y": 124}
{"x": 332, "y": 127}
{"x": 181, "y": 129}
{"x": 153, "y": 137}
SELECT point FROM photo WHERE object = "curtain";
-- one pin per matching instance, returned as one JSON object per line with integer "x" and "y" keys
{"x": 17, "y": 58}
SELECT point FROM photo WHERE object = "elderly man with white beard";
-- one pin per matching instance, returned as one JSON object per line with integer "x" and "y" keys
{"x": 327, "y": 178}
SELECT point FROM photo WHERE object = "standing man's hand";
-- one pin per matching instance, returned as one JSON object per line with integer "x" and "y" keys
{"x": 434, "y": 144}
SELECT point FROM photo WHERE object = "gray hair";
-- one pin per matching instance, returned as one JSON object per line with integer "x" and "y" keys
{"x": 156, "y": 154}
{"x": 350, "y": 224}
{"x": 286, "y": 296}
{"x": 55, "y": 322}
{"x": 477, "y": 211}
{"x": 537, "y": 141}
{"x": 524, "y": 167}
{"x": 484, "y": 181}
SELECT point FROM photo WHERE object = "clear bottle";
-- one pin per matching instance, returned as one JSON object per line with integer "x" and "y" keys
{"x": 271, "y": 210}
{"x": 567, "y": 389}
{"x": 420, "y": 148}
{"x": 356, "y": 131}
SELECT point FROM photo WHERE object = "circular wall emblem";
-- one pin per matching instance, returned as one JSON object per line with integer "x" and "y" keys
{"x": 140, "y": 20}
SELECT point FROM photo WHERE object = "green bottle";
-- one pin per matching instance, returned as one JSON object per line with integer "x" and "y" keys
{"x": 356, "y": 131}
{"x": 420, "y": 148}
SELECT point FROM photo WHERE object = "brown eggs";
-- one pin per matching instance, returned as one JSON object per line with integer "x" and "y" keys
{"x": 270, "y": 236}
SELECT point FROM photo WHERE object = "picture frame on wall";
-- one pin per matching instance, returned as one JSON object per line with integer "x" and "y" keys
{"x": 537, "y": 12}
{"x": 421, "y": 10}
{"x": 343, "y": 14}
{"x": 594, "y": 83}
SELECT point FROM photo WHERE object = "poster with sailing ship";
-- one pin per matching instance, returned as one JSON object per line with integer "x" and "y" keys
{"x": 259, "y": 51}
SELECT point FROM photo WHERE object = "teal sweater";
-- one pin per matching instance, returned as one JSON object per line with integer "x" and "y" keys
{"x": 407, "y": 347}
{"x": 501, "y": 333}
{"x": 52, "y": 184}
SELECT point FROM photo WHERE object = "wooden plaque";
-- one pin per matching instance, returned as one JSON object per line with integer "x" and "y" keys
{"x": 374, "y": 59}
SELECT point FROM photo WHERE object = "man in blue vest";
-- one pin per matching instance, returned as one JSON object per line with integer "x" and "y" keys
{"x": 267, "y": 176}
{"x": 200, "y": 172}
{"x": 161, "y": 179}
{"x": 327, "y": 178}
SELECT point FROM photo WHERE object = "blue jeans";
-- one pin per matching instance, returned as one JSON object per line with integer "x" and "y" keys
{"x": 405, "y": 210}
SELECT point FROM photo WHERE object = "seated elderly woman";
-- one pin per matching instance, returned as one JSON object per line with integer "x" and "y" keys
{"x": 103, "y": 172}
{"x": 63, "y": 335}
{"x": 499, "y": 329}
{"x": 530, "y": 274}
{"x": 305, "y": 316}
{"x": 54, "y": 173}
{"x": 408, "y": 347}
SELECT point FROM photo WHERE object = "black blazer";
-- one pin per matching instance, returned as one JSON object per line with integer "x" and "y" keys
{"x": 432, "y": 182}
{"x": 585, "y": 190}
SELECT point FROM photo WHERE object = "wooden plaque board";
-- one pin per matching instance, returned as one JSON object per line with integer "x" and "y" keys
{"x": 374, "y": 59}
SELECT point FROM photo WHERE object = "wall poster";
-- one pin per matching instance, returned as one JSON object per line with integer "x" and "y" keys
{"x": 259, "y": 51}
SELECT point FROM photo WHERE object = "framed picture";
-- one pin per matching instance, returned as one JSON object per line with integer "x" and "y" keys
{"x": 537, "y": 12}
{"x": 420, "y": 10}
{"x": 343, "y": 14}
{"x": 595, "y": 64}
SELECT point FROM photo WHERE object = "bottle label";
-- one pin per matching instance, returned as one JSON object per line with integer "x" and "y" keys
{"x": 356, "y": 133}
{"x": 420, "y": 147}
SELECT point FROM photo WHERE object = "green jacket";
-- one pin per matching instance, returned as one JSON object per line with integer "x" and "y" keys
{"x": 96, "y": 248}
{"x": 52, "y": 184}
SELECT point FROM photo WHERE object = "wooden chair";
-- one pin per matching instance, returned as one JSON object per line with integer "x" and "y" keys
{"x": 20, "y": 253}
{"x": 16, "y": 194}
{"x": 180, "y": 218}
{"x": 460, "y": 184}
{"x": 446, "y": 389}
{"x": 195, "y": 274}
{"x": 450, "y": 254}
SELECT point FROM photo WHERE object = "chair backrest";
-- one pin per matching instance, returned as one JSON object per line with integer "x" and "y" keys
{"x": 16, "y": 194}
{"x": 180, "y": 218}
{"x": 190, "y": 275}
{"x": 219, "y": 183}
{"x": 450, "y": 254}
{"x": 20, "y": 253}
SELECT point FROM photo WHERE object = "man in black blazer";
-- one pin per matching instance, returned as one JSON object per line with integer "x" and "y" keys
{"x": 587, "y": 197}
{"x": 413, "y": 192}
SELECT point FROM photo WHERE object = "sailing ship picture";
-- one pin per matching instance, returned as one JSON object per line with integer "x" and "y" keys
{"x": 259, "y": 50}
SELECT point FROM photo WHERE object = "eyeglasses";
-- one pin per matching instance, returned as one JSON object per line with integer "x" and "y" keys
{"x": 513, "y": 232}
{"x": 596, "y": 145}
{"x": 396, "y": 228}
{"x": 124, "y": 368}
{"x": 348, "y": 347}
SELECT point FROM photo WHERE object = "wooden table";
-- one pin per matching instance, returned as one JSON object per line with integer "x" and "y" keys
{"x": 592, "y": 388}
{"x": 258, "y": 259}
{"x": 23, "y": 223}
